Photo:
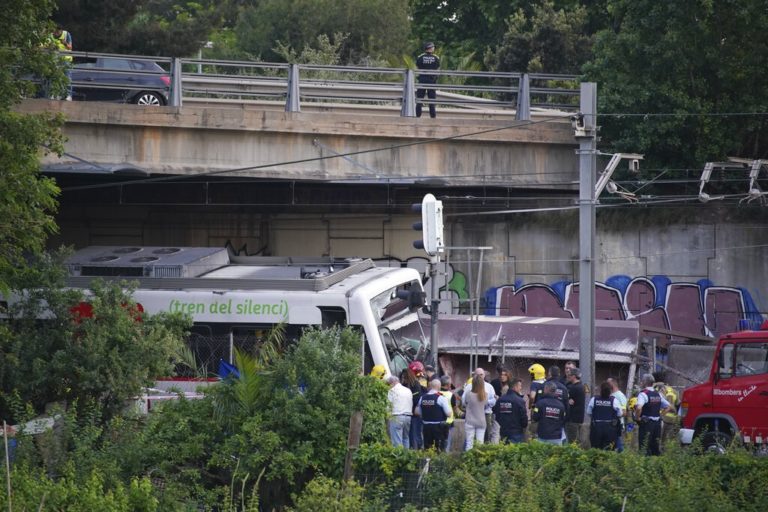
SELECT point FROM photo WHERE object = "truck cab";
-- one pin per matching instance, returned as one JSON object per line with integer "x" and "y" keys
{"x": 733, "y": 402}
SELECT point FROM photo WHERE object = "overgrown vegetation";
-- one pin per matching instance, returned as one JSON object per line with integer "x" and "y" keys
{"x": 57, "y": 354}
{"x": 259, "y": 438}
{"x": 541, "y": 477}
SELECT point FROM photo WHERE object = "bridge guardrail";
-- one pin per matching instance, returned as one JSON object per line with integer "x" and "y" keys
{"x": 296, "y": 84}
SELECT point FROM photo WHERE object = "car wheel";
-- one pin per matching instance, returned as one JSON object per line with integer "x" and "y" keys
{"x": 715, "y": 442}
{"x": 148, "y": 98}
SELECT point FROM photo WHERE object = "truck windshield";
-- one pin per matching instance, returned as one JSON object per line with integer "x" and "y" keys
{"x": 399, "y": 328}
{"x": 741, "y": 360}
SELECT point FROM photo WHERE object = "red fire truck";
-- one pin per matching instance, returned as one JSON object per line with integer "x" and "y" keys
{"x": 733, "y": 403}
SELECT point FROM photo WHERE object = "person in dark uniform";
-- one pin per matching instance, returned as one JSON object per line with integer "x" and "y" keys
{"x": 434, "y": 410}
{"x": 605, "y": 412}
{"x": 561, "y": 392}
{"x": 648, "y": 411}
{"x": 566, "y": 369}
{"x": 549, "y": 412}
{"x": 511, "y": 413}
{"x": 427, "y": 60}
{"x": 576, "y": 397}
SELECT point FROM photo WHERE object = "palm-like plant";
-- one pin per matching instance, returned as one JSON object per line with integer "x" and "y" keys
{"x": 239, "y": 398}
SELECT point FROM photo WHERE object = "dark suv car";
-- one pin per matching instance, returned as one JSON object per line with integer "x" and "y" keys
{"x": 120, "y": 79}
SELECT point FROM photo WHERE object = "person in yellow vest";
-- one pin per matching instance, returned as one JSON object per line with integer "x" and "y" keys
{"x": 630, "y": 439}
{"x": 453, "y": 400}
{"x": 670, "y": 422}
{"x": 62, "y": 42}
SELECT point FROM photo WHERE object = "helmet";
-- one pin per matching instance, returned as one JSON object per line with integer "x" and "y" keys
{"x": 416, "y": 367}
{"x": 537, "y": 371}
{"x": 631, "y": 404}
{"x": 378, "y": 371}
{"x": 429, "y": 45}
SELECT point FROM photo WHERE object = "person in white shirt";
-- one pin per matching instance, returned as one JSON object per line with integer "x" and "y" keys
{"x": 401, "y": 408}
{"x": 621, "y": 399}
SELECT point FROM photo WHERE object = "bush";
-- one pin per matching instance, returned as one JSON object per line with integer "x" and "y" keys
{"x": 539, "y": 477}
{"x": 33, "y": 490}
{"x": 324, "y": 494}
{"x": 305, "y": 401}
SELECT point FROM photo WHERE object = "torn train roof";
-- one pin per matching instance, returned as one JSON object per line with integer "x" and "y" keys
{"x": 537, "y": 337}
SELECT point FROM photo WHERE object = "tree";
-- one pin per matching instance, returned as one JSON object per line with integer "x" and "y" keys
{"x": 51, "y": 352}
{"x": 27, "y": 199}
{"x": 544, "y": 40}
{"x": 462, "y": 27}
{"x": 170, "y": 28}
{"x": 305, "y": 400}
{"x": 147, "y": 27}
{"x": 96, "y": 25}
{"x": 674, "y": 69}
{"x": 373, "y": 28}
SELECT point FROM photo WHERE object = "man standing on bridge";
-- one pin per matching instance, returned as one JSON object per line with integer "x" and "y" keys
{"x": 427, "y": 60}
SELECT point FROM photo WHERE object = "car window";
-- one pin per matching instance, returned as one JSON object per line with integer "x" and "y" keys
{"x": 725, "y": 369}
{"x": 109, "y": 63}
{"x": 85, "y": 62}
{"x": 145, "y": 65}
{"x": 751, "y": 359}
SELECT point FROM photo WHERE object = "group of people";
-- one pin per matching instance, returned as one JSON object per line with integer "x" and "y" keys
{"x": 555, "y": 409}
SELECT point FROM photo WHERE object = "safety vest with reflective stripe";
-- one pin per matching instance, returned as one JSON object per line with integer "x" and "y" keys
{"x": 448, "y": 395}
{"x": 62, "y": 46}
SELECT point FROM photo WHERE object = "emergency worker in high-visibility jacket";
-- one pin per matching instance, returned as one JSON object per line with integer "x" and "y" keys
{"x": 61, "y": 41}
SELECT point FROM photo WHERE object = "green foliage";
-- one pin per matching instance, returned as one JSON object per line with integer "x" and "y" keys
{"x": 33, "y": 490}
{"x": 374, "y": 28}
{"x": 540, "y": 477}
{"x": 461, "y": 27}
{"x": 240, "y": 398}
{"x": 27, "y": 200}
{"x": 305, "y": 403}
{"x": 328, "y": 51}
{"x": 690, "y": 58}
{"x": 145, "y": 27}
{"x": 323, "y": 493}
{"x": 103, "y": 360}
{"x": 546, "y": 39}
{"x": 24, "y": 30}
{"x": 169, "y": 28}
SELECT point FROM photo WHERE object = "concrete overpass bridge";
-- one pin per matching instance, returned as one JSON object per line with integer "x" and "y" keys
{"x": 329, "y": 144}
{"x": 315, "y": 166}
{"x": 313, "y": 122}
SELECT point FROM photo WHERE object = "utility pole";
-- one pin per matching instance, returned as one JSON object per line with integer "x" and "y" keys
{"x": 585, "y": 125}
{"x": 433, "y": 243}
{"x": 434, "y": 306}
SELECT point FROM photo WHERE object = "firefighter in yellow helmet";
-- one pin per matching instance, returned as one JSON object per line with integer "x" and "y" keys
{"x": 378, "y": 371}
{"x": 538, "y": 377}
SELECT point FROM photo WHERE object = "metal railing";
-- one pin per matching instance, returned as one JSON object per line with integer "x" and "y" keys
{"x": 297, "y": 85}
